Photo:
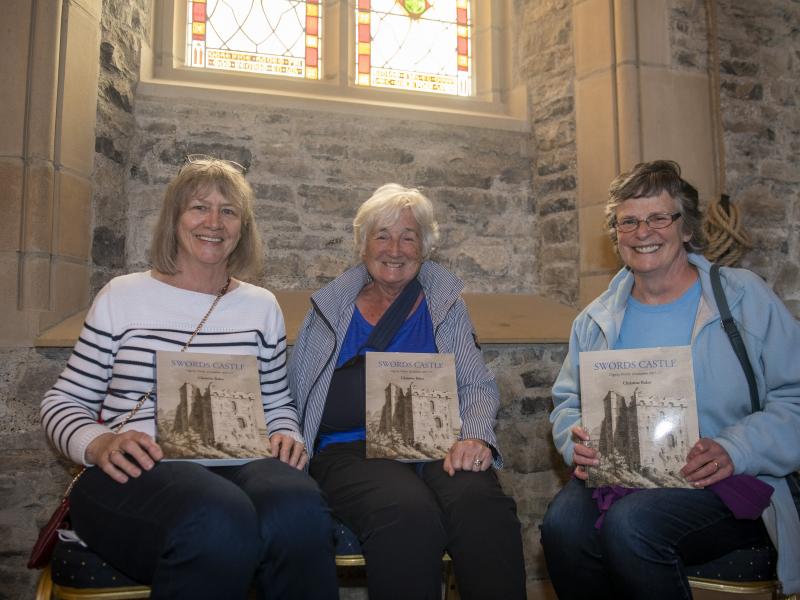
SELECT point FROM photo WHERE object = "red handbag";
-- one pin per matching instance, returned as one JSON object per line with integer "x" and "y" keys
{"x": 48, "y": 535}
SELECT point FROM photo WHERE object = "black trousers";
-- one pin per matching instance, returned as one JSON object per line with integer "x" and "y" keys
{"x": 406, "y": 517}
{"x": 191, "y": 532}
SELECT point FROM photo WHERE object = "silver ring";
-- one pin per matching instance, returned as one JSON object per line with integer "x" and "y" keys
{"x": 716, "y": 464}
{"x": 478, "y": 462}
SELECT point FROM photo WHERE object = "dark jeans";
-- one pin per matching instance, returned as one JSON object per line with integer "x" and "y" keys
{"x": 193, "y": 532}
{"x": 645, "y": 540}
{"x": 406, "y": 520}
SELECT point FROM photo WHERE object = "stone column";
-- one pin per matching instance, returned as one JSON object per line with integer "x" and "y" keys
{"x": 635, "y": 100}
{"x": 49, "y": 53}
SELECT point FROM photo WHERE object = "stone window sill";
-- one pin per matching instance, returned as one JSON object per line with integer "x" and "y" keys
{"x": 498, "y": 319}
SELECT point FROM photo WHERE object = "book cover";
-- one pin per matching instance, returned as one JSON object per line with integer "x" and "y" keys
{"x": 208, "y": 408}
{"x": 640, "y": 410}
{"x": 412, "y": 405}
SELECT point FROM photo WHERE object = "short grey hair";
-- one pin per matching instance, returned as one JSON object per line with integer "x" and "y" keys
{"x": 383, "y": 209}
{"x": 650, "y": 179}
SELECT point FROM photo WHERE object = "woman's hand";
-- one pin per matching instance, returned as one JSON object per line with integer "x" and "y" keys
{"x": 583, "y": 455}
{"x": 707, "y": 463}
{"x": 287, "y": 449}
{"x": 468, "y": 455}
{"x": 123, "y": 455}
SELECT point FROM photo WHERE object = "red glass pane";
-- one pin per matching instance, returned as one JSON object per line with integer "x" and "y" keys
{"x": 363, "y": 32}
{"x": 363, "y": 63}
{"x": 461, "y": 16}
{"x": 311, "y": 57}
{"x": 312, "y": 24}
{"x": 363, "y": 4}
{"x": 462, "y": 45}
{"x": 198, "y": 12}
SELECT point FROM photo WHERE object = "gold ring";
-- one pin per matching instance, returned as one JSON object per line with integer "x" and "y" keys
{"x": 716, "y": 464}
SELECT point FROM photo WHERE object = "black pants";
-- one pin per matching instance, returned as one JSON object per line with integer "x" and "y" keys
{"x": 405, "y": 521}
{"x": 193, "y": 533}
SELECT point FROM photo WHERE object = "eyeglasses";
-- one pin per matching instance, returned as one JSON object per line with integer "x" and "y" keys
{"x": 205, "y": 159}
{"x": 654, "y": 221}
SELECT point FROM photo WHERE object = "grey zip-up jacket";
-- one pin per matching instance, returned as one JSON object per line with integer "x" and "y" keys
{"x": 320, "y": 338}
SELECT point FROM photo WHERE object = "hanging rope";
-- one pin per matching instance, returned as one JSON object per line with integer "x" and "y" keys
{"x": 727, "y": 239}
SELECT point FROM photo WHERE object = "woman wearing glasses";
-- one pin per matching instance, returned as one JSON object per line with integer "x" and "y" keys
{"x": 186, "y": 530}
{"x": 663, "y": 297}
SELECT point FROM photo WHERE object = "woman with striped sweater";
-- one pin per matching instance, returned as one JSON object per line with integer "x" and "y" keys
{"x": 406, "y": 514}
{"x": 186, "y": 530}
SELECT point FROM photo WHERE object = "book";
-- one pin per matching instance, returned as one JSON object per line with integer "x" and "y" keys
{"x": 640, "y": 410}
{"x": 208, "y": 408}
{"x": 412, "y": 411}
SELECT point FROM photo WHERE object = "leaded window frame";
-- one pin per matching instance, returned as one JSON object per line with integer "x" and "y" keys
{"x": 497, "y": 103}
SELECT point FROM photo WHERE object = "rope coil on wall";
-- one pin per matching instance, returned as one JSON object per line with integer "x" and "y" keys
{"x": 727, "y": 239}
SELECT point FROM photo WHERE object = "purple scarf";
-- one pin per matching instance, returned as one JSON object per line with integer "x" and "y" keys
{"x": 744, "y": 495}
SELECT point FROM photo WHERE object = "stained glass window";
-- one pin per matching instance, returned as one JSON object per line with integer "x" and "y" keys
{"x": 421, "y": 45}
{"x": 274, "y": 37}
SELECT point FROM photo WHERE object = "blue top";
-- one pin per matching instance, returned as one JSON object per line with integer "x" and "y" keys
{"x": 414, "y": 335}
{"x": 761, "y": 443}
{"x": 654, "y": 325}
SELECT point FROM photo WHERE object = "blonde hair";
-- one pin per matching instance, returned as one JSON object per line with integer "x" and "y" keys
{"x": 383, "y": 208}
{"x": 200, "y": 178}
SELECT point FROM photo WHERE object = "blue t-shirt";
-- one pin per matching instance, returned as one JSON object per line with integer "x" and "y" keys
{"x": 653, "y": 325}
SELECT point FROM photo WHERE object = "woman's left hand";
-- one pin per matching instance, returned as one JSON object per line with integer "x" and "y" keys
{"x": 707, "y": 463}
{"x": 287, "y": 449}
{"x": 468, "y": 455}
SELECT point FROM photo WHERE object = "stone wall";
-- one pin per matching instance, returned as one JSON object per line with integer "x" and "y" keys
{"x": 124, "y": 24}
{"x": 760, "y": 90}
{"x": 546, "y": 65}
{"x": 311, "y": 170}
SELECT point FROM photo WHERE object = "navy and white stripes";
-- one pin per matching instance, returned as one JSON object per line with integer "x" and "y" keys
{"x": 318, "y": 343}
{"x": 113, "y": 362}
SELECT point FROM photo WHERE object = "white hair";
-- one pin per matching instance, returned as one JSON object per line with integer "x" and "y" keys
{"x": 383, "y": 209}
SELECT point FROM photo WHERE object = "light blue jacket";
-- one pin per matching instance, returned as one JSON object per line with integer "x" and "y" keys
{"x": 322, "y": 333}
{"x": 766, "y": 443}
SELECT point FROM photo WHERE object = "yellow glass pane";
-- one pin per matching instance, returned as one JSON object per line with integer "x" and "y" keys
{"x": 312, "y": 41}
{"x": 363, "y": 47}
{"x": 312, "y": 10}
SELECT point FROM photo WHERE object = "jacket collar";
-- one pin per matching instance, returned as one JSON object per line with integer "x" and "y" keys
{"x": 608, "y": 309}
{"x": 441, "y": 287}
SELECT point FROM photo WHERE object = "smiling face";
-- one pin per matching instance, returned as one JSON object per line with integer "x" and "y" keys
{"x": 652, "y": 253}
{"x": 208, "y": 231}
{"x": 393, "y": 253}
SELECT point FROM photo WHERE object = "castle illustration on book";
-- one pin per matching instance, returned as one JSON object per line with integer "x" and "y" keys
{"x": 209, "y": 408}
{"x": 412, "y": 405}
{"x": 639, "y": 408}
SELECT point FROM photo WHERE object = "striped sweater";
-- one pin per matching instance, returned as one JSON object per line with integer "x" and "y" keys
{"x": 113, "y": 362}
{"x": 320, "y": 339}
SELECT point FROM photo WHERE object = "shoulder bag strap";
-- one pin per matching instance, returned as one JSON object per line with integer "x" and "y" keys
{"x": 734, "y": 336}
{"x": 394, "y": 317}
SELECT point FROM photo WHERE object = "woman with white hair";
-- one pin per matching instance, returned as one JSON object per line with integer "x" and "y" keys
{"x": 405, "y": 514}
